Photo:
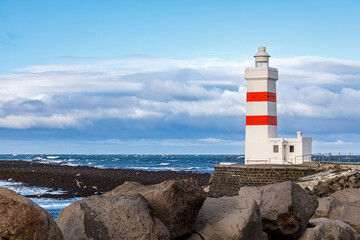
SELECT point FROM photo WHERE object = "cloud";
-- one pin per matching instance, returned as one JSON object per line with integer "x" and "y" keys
{"x": 337, "y": 142}
{"x": 172, "y": 92}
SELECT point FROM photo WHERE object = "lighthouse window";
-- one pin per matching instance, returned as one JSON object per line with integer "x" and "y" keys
{"x": 291, "y": 148}
{"x": 261, "y": 64}
{"x": 276, "y": 148}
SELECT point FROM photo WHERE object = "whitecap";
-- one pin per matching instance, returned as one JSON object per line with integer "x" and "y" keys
{"x": 227, "y": 163}
{"x": 140, "y": 168}
{"x": 72, "y": 164}
{"x": 164, "y": 164}
{"x": 99, "y": 166}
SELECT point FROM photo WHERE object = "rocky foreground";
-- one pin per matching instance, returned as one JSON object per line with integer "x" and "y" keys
{"x": 179, "y": 209}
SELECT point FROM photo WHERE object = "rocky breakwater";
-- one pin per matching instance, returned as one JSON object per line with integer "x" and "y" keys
{"x": 339, "y": 196}
{"x": 276, "y": 211}
{"x": 325, "y": 183}
{"x": 179, "y": 209}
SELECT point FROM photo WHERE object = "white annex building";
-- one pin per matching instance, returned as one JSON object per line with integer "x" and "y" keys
{"x": 262, "y": 145}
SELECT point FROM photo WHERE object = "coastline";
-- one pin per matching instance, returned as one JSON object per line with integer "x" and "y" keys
{"x": 83, "y": 181}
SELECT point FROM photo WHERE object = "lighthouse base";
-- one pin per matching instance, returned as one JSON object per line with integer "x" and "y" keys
{"x": 288, "y": 151}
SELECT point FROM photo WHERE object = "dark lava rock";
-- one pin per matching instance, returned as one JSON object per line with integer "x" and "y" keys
{"x": 285, "y": 208}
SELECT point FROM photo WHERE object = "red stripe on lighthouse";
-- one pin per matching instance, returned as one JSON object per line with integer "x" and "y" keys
{"x": 261, "y": 97}
{"x": 261, "y": 120}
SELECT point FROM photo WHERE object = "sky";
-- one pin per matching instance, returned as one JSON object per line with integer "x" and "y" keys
{"x": 167, "y": 77}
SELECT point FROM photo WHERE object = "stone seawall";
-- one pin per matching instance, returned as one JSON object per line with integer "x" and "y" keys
{"x": 227, "y": 180}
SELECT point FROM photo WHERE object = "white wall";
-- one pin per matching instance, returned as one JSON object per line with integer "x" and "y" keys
{"x": 260, "y": 108}
{"x": 307, "y": 148}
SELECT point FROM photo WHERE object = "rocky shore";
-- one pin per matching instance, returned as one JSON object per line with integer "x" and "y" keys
{"x": 180, "y": 209}
{"x": 82, "y": 181}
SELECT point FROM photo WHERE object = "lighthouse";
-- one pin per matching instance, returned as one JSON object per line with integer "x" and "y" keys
{"x": 262, "y": 145}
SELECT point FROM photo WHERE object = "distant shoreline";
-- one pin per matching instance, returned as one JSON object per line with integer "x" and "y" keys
{"x": 83, "y": 181}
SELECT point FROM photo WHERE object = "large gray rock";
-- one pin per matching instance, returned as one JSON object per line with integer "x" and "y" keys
{"x": 348, "y": 213}
{"x": 229, "y": 218}
{"x": 342, "y": 205}
{"x": 176, "y": 203}
{"x": 20, "y": 218}
{"x": 326, "y": 205}
{"x": 323, "y": 229}
{"x": 106, "y": 218}
{"x": 348, "y": 195}
{"x": 285, "y": 208}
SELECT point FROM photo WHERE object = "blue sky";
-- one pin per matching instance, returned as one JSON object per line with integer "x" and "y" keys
{"x": 167, "y": 76}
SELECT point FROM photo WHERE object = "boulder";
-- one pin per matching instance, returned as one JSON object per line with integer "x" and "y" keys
{"x": 342, "y": 182}
{"x": 346, "y": 212}
{"x": 285, "y": 208}
{"x": 106, "y": 218}
{"x": 354, "y": 179}
{"x": 326, "y": 205}
{"x": 20, "y": 218}
{"x": 323, "y": 228}
{"x": 336, "y": 187}
{"x": 342, "y": 205}
{"x": 322, "y": 189}
{"x": 229, "y": 218}
{"x": 175, "y": 202}
{"x": 348, "y": 195}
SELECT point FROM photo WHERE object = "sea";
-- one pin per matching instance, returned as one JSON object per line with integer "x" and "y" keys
{"x": 163, "y": 162}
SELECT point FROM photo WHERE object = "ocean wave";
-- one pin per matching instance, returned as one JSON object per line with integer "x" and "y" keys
{"x": 156, "y": 168}
{"x": 22, "y": 189}
{"x": 54, "y": 205}
{"x": 71, "y": 164}
{"x": 100, "y": 166}
{"x": 164, "y": 164}
{"x": 227, "y": 163}
{"x": 47, "y": 161}
{"x": 192, "y": 168}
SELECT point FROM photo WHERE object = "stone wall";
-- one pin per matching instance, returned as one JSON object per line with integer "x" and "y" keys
{"x": 227, "y": 180}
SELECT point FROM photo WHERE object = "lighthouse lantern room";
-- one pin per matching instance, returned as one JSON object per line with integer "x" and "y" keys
{"x": 262, "y": 145}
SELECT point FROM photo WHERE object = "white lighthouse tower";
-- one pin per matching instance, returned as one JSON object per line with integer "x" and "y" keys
{"x": 262, "y": 146}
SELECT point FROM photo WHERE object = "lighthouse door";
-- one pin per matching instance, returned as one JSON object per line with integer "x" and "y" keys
{"x": 285, "y": 156}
